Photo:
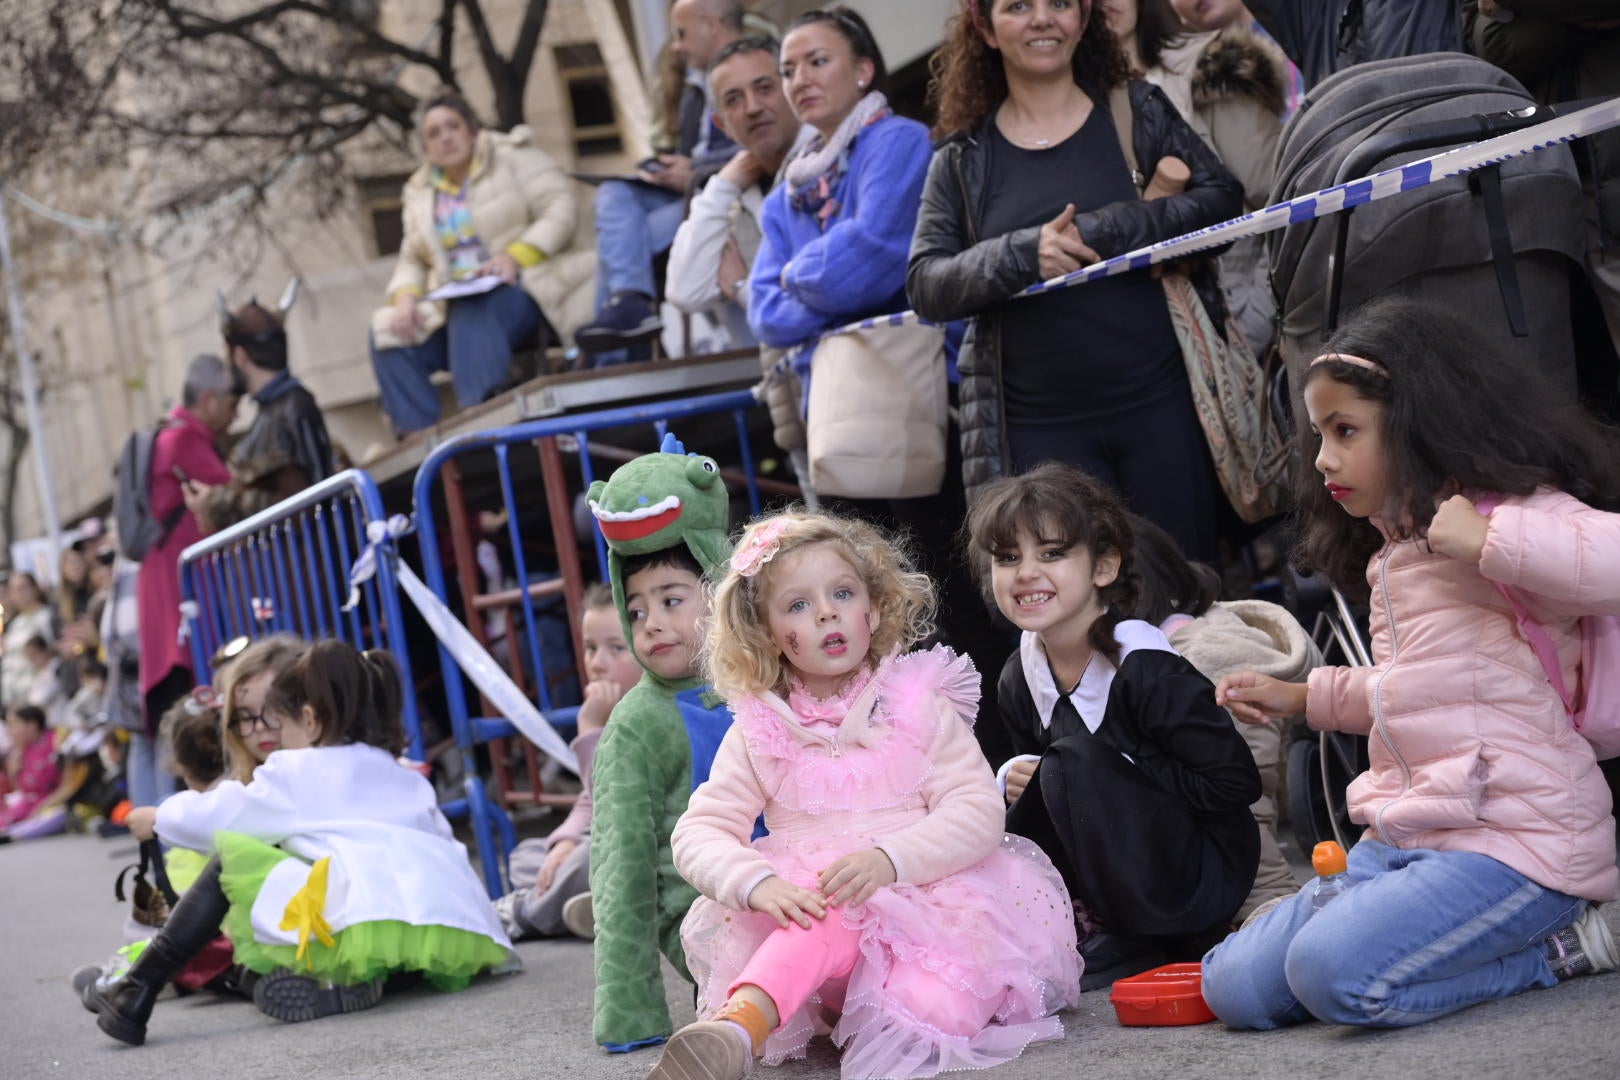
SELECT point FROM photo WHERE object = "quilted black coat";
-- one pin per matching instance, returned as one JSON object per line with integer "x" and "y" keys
{"x": 955, "y": 274}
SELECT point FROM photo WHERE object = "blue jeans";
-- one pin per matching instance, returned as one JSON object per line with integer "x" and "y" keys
{"x": 634, "y": 223}
{"x": 1422, "y": 934}
{"x": 149, "y": 782}
{"x": 475, "y": 344}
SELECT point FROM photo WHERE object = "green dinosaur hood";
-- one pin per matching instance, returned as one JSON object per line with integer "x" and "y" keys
{"x": 659, "y": 500}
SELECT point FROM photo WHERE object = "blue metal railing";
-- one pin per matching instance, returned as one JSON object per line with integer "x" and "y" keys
{"x": 471, "y": 731}
{"x": 286, "y": 570}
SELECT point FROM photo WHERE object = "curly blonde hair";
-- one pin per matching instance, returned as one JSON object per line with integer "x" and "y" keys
{"x": 274, "y": 654}
{"x": 740, "y": 656}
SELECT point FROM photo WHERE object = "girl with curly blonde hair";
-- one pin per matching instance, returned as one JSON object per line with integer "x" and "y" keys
{"x": 885, "y": 842}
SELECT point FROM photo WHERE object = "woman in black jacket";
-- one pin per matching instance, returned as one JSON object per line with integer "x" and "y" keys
{"x": 1031, "y": 183}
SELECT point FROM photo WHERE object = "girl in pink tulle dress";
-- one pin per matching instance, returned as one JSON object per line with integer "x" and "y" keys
{"x": 886, "y": 907}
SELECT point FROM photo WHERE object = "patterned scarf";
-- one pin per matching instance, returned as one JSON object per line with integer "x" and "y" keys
{"x": 819, "y": 168}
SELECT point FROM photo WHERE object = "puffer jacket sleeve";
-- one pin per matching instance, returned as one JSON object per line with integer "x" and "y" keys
{"x": 548, "y": 194}
{"x": 1340, "y": 699}
{"x": 1558, "y": 548}
{"x": 711, "y": 839}
{"x": 1213, "y": 194}
{"x": 415, "y": 262}
{"x": 965, "y": 810}
{"x": 947, "y": 276}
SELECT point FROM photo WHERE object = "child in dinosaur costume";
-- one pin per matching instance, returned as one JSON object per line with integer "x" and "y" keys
{"x": 655, "y": 751}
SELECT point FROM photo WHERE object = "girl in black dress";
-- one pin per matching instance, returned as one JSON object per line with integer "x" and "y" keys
{"x": 1128, "y": 774}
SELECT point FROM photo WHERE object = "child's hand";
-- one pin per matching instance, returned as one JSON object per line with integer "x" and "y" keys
{"x": 854, "y": 878}
{"x": 1019, "y": 775}
{"x": 1259, "y": 699}
{"x": 142, "y": 822}
{"x": 1458, "y": 530}
{"x": 600, "y": 697}
{"x": 554, "y": 859}
{"x": 782, "y": 900}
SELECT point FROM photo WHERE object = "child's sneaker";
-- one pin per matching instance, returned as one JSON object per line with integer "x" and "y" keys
{"x": 506, "y": 910}
{"x": 706, "y": 1050}
{"x": 579, "y": 915}
{"x": 294, "y": 998}
{"x": 1584, "y": 947}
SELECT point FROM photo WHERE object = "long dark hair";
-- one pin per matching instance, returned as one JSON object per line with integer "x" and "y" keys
{"x": 1458, "y": 413}
{"x": 356, "y": 697}
{"x": 852, "y": 27}
{"x": 1170, "y": 583}
{"x": 1157, "y": 28}
{"x": 1083, "y": 511}
{"x": 968, "y": 80}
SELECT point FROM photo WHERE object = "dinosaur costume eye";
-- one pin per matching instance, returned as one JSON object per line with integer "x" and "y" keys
{"x": 702, "y": 472}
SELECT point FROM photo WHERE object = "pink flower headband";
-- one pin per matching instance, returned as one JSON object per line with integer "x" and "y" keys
{"x": 759, "y": 547}
{"x": 1355, "y": 361}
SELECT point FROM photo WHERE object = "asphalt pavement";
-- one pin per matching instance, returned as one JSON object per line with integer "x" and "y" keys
{"x": 57, "y": 912}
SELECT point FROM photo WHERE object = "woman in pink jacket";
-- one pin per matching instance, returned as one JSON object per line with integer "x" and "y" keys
{"x": 886, "y": 905}
{"x": 1489, "y": 837}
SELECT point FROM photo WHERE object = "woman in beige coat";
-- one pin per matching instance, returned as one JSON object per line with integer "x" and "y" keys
{"x": 485, "y": 204}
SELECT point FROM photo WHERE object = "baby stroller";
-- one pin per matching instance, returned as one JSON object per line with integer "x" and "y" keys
{"x": 1501, "y": 246}
{"x": 1321, "y": 764}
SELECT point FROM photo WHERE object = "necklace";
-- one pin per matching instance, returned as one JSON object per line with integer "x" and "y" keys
{"x": 1043, "y": 143}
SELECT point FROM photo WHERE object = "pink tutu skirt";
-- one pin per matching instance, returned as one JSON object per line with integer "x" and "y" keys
{"x": 1002, "y": 930}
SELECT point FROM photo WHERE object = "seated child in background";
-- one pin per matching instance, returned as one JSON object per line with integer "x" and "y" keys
{"x": 31, "y": 773}
{"x": 551, "y": 874}
{"x": 191, "y": 731}
{"x": 664, "y": 518}
{"x": 88, "y": 708}
{"x": 1130, "y": 776}
{"x": 1219, "y": 637}
{"x": 247, "y": 736}
{"x": 47, "y": 690}
{"x": 886, "y": 899}
{"x": 333, "y": 869}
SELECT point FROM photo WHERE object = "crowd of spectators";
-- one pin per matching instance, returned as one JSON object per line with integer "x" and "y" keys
{"x": 786, "y": 197}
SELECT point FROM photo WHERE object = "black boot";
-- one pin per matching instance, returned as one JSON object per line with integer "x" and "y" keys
{"x": 124, "y": 1006}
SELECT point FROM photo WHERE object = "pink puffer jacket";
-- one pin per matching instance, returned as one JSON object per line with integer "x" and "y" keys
{"x": 1470, "y": 748}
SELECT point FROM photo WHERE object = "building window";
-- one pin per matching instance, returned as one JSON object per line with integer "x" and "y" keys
{"x": 590, "y": 100}
{"x": 382, "y": 196}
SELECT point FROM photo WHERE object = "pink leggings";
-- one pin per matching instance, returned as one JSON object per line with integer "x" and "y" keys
{"x": 794, "y": 963}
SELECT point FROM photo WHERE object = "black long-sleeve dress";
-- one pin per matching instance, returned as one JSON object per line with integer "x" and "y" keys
{"x": 1142, "y": 794}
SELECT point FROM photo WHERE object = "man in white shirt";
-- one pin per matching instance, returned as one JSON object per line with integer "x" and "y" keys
{"x": 716, "y": 244}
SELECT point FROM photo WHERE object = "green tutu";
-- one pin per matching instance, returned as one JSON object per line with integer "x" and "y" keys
{"x": 447, "y": 957}
{"x": 184, "y": 866}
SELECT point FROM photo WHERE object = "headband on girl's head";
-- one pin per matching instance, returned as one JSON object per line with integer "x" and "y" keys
{"x": 1355, "y": 361}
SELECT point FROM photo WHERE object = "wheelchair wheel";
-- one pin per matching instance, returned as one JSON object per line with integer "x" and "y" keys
{"x": 1316, "y": 807}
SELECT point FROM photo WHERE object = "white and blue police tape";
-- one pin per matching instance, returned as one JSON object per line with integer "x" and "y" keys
{"x": 490, "y": 678}
{"x": 1319, "y": 204}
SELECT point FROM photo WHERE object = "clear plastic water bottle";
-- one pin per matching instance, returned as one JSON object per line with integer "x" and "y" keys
{"x": 1329, "y": 862}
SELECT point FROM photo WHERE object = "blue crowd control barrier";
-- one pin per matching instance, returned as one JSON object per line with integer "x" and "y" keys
{"x": 491, "y": 827}
{"x": 286, "y": 570}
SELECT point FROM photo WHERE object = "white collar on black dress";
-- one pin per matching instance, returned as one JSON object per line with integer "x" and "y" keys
{"x": 1090, "y": 698}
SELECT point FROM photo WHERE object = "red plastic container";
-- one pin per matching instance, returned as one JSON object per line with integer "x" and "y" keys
{"x": 1167, "y": 996}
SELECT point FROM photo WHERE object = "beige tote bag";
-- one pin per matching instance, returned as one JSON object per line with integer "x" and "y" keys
{"x": 878, "y": 413}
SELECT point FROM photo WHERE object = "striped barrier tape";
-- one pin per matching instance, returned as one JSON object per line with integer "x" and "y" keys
{"x": 1318, "y": 204}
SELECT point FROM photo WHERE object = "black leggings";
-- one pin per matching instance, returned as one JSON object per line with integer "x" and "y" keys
{"x": 1156, "y": 456}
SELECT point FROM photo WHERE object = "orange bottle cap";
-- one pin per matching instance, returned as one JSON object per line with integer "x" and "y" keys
{"x": 1328, "y": 858}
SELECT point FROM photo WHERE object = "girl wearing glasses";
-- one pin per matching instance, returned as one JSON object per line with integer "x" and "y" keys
{"x": 332, "y": 869}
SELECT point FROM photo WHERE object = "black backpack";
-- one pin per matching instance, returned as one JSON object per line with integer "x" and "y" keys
{"x": 139, "y": 531}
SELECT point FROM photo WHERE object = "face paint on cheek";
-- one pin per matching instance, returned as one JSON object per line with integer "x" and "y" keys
{"x": 793, "y": 641}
